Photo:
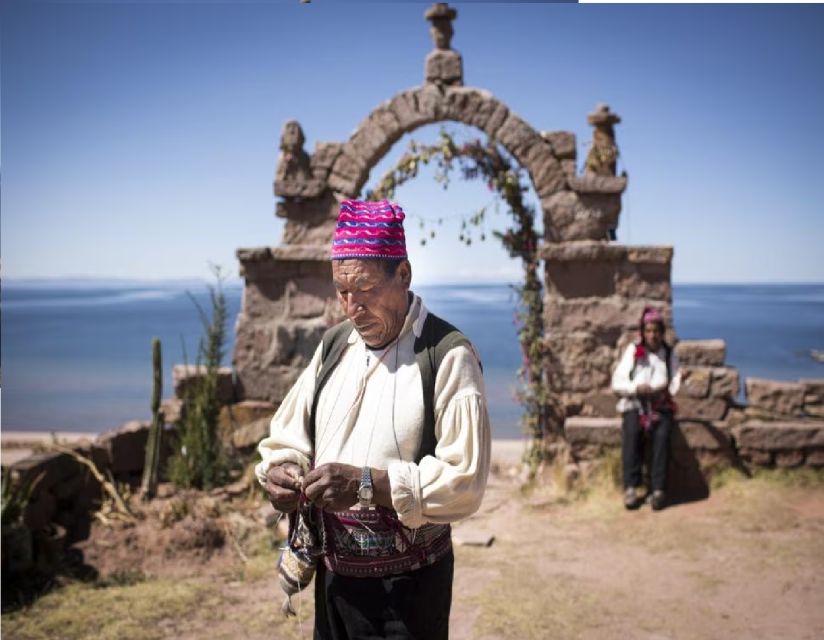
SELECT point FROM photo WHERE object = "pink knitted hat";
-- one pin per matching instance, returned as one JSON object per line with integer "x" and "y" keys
{"x": 369, "y": 230}
{"x": 651, "y": 314}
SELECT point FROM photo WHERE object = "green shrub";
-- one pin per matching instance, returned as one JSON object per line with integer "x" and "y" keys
{"x": 199, "y": 460}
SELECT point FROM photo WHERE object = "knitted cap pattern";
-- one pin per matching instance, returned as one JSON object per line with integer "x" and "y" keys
{"x": 369, "y": 230}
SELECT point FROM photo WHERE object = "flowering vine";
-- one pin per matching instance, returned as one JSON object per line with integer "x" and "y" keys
{"x": 488, "y": 162}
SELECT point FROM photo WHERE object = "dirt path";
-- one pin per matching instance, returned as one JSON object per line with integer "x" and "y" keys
{"x": 748, "y": 562}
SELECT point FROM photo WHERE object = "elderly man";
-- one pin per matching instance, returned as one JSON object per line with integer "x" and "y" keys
{"x": 382, "y": 442}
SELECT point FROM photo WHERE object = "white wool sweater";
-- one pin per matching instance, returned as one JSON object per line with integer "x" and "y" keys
{"x": 370, "y": 412}
{"x": 651, "y": 371}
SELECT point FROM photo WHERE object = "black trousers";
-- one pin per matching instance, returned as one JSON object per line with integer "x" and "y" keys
{"x": 632, "y": 449}
{"x": 410, "y": 605}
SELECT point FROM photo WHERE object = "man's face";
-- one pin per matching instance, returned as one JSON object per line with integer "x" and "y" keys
{"x": 653, "y": 335}
{"x": 374, "y": 302}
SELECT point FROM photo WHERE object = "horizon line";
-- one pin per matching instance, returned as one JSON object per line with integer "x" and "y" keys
{"x": 67, "y": 280}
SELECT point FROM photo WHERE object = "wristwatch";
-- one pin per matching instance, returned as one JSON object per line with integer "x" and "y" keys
{"x": 365, "y": 491}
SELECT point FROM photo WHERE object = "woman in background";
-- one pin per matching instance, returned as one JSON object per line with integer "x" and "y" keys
{"x": 646, "y": 379}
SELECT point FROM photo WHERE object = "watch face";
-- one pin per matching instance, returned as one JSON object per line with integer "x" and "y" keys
{"x": 365, "y": 494}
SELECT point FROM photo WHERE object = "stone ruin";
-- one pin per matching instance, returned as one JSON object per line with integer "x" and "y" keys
{"x": 595, "y": 291}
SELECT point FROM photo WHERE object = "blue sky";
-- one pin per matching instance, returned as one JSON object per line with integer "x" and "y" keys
{"x": 139, "y": 140}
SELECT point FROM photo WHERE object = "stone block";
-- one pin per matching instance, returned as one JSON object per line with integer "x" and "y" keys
{"x": 348, "y": 173}
{"x": 310, "y": 212}
{"x": 172, "y": 409}
{"x": 814, "y": 411}
{"x": 579, "y": 362}
{"x": 126, "y": 447}
{"x": 324, "y": 157}
{"x": 581, "y": 431}
{"x": 277, "y": 343}
{"x": 490, "y": 116}
{"x": 405, "y": 107}
{"x": 251, "y": 258}
{"x": 234, "y": 415}
{"x": 815, "y": 458}
{"x": 789, "y": 459}
{"x": 307, "y": 186}
{"x": 444, "y": 67}
{"x": 590, "y": 268}
{"x": 701, "y": 352}
{"x": 569, "y": 216}
{"x": 250, "y": 434}
{"x": 375, "y": 135}
{"x": 779, "y": 435}
{"x": 271, "y": 383}
{"x": 756, "y": 456}
{"x": 813, "y": 389}
{"x": 186, "y": 375}
{"x": 598, "y": 251}
{"x": 308, "y": 259}
{"x": 599, "y": 404}
{"x": 431, "y": 102}
{"x": 569, "y": 168}
{"x": 518, "y": 137}
{"x": 292, "y": 299}
{"x": 703, "y": 409}
{"x": 349, "y": 163}
{"x": 725, "y": 383}
{"x": 709, "y": 436}
{"x": 54, "y": 467}
{"x": 581, "y": 278}
{"x": 695, "y": 382}
{"x": 548, "y": 176}
{"x": 781, "y": 398}
{"x": 651, "y": 280}
{"x": 592, "y": 184}
{"x": 563, "y": 144}
{"x": 234, "y": 421}
{"x": 461, "y": 102}
{"x": 607, "y": 318}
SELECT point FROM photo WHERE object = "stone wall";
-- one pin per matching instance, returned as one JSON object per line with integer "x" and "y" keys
{"x": 67, "y": 491}
{"x": 772, "y": 430}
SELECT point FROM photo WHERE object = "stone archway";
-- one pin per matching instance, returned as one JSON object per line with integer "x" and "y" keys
{"x": 289, "y": 300}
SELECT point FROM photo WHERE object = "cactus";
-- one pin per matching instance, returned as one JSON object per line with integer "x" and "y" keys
{"x": 148, "y": 487}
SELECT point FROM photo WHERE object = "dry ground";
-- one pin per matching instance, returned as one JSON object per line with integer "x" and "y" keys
{"x": 747, "y": 562}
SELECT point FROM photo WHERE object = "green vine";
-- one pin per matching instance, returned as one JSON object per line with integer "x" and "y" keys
{"x": 488, "y": 162}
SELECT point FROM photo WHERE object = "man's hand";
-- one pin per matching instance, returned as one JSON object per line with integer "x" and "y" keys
{"x": 283, "y": 486}
{"x": 643, "y": 390}
{"x": 333, "y": 486}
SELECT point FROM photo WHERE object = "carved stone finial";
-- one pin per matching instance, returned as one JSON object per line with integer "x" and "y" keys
{"x": 292, "y": 138}
{"x": 441, "y": 16}
{"x": 294, "y": 176}
{"x": 444, "y": 66}
{"x": 603, "y": 155}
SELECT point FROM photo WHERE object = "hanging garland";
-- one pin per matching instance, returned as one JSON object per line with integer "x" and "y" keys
{"x": 488, "y": 162}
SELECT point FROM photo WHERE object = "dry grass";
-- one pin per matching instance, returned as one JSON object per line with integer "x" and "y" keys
{"x": 140, "y": 611}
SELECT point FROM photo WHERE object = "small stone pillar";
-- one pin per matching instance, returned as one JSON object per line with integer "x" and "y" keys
{"x": 588, "y": 208}
{"x": 444, "y": 66}
{"x": 288, "y": 299}
{"x": 288, "y": 302}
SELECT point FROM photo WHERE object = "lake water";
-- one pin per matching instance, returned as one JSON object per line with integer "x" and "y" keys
{"x": 78, "y": 358}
